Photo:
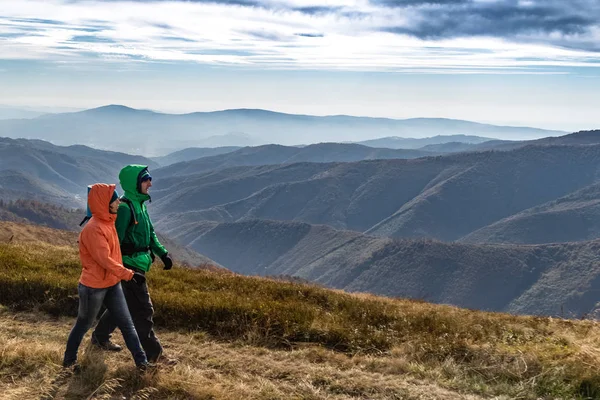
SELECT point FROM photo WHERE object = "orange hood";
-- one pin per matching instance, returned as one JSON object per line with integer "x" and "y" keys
{"x": 99, "y": 200}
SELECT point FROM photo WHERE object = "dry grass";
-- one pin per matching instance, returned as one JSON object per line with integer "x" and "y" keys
{"x": 250, "y": 338}
{"x": 27, "y": 233}
{"x": 31, "y": 346}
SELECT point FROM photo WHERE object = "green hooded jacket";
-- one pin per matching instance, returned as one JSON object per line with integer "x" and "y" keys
{"x": 138, "y": 235}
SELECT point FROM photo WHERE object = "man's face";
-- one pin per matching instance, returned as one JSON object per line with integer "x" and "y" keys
{"x": 114, "y": 206}
{"x": 146, "y": 184}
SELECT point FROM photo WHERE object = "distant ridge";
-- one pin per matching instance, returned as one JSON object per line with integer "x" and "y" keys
{"x": 118, "y": 127}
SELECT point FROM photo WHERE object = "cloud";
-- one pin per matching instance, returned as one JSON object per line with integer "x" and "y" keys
{"x": 526, "y": 36}
{"x": 542, "y": 21}
{"x": 313, "y": 35}
{"x": 91, "y": 39}
{"x": 317, "y": 10}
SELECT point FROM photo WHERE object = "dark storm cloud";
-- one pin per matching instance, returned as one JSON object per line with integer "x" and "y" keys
{"x": 564, "y": 23}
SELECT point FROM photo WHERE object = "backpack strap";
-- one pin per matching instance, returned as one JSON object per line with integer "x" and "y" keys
{"x": 130, "y": 204}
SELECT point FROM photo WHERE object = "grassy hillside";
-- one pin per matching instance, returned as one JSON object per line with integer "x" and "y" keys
{"x": 241, "y": 337}
{"x": 208, "y": 369}
{"x": 40, "y": 213}
{"x": 14, "y": 232}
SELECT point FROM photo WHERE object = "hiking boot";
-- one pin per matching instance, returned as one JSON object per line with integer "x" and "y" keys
{"x": 145, "y": 367}
{"x": 108, "y": 345}
{"x": 73, "y": 367}
{"x": 165, "y": 360}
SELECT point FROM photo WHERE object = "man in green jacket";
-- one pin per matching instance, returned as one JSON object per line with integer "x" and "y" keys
{"x": 139, "y": 245}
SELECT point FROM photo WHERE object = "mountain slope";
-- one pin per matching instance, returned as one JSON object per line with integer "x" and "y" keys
{"x": 16, "y": 185}
{"x": 192, "y": 153}
{"x": 17, "y": 113}
{"x": 86, "y": 151}
{"x": 577, "y": 138}
{"x": 450, "y": 147}
{"x": 546, "y": 279}
{"x": 41, "y": 170}
{"x": 496, "y": 187}
{"x": 152, "y": 134}
{"x": 573, "y": 139}
{"x": 276, "y": 154}
{"x": 395, "y": 142}
{"x": 439, "y": 197}
{"x": 575, "y": 217}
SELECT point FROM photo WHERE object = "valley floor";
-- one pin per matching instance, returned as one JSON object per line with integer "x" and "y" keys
{"x": 31, "y": 346}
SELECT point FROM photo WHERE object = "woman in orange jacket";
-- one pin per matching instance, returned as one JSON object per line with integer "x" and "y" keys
{"x": 100, "y": 281}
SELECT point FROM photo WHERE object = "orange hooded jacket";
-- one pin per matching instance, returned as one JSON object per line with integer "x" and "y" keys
{"x": 99, "y": 247}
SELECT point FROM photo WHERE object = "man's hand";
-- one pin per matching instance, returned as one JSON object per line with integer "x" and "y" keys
{"x": 139, "y": 278}
{"x": 166, "y": 259}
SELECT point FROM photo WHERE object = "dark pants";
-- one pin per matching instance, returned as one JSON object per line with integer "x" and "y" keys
{"x": 90, "y": 301}
{"x": 141, "y": 309}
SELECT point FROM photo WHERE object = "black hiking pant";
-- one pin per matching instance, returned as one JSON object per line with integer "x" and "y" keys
{"x": 141, "y": 310}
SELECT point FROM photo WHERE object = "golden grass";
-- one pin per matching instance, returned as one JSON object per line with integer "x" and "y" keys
{"x": 255, "y": 338}
{"x": 208, "y": 369}
{"x": 27, "y": 233}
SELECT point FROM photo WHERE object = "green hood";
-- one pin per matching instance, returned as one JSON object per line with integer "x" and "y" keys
{"x": 129, "y": 179}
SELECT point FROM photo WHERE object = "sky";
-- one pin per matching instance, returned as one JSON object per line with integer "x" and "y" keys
{"x": 511, "y": 62}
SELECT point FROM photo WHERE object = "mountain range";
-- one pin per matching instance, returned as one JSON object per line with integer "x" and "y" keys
{"x": 395, "y": 142}
{"x": 60, "y": 174}
{"x": 477, "y": 197}
{"x": 151, "y": 133}
{"x": 328, "y": 152}
{"x": 420, "y": 148}
{"x": 273, "y": 154}
{"x": 193, "y": 153}
{"x": 442, "y": 197}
